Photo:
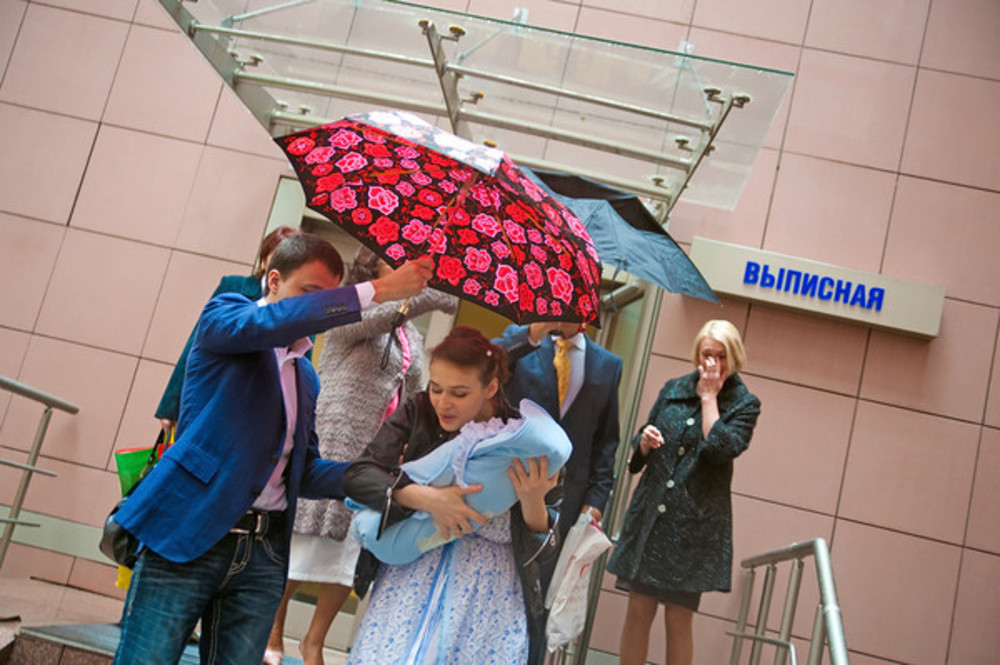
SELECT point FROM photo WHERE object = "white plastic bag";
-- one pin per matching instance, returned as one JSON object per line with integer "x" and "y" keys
{"x": 566, "y": 599}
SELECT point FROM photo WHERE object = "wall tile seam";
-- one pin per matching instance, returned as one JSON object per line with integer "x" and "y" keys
{"x": 771, "y": 40}
{"x": 900, "y": 172}
{"x": 45, "y": 456}
{"x": 61, "y": 518}
{"x": 58, "y": 114}
{"x": 840, "y": 162}
{"x": 859, "y": 56}
{"x": 920, "y": 68}
{"x": 858, "y": 397}
{"x": 148, "y": 132}
{"x": 781, "y": 504}
{"x": 88, "y": 345}
{"x": 932, "y": 179}
{"x": 83, "y": 12}
{"x": 621, "y": 12}
{"x": 20, "y": 216}
{"x": 206, "y": 142}
{"x": 975, "y": 303}
{"x": 980, "y": 550}
{"x": 900, "y": 532}
{"x": 919, "y": 411}
{"x": 174, "y": 249}
{"x": 951, "y": 72}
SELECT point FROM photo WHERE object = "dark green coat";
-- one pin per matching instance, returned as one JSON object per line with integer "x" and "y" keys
{"x": 678, "y": 531}
{"x": 170, "y": 404}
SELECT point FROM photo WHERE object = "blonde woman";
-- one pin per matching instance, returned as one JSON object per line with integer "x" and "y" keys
{"x": 677, "y": 540}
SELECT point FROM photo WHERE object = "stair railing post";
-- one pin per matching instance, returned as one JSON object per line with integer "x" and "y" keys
{"x": 767, "y": 591}
{"x": 22, "y": 487}
{"x": 741, "y": 618}
{"x": 788, "y": 614}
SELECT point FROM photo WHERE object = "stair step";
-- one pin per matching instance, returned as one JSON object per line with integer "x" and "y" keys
{"x": 82, "y": 644}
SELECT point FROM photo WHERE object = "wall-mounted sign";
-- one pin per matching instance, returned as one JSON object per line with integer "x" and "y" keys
{"x": 819, "y": 288}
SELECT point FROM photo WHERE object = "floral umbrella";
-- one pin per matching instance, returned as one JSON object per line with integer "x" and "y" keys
{"x": 407, "y": 189}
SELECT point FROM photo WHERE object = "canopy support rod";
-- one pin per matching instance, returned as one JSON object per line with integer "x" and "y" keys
{"x": 580, "y": 96}
{"x": 196, "y": 27}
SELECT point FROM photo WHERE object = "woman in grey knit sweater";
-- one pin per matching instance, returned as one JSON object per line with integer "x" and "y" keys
{"x": 358, "y": 392}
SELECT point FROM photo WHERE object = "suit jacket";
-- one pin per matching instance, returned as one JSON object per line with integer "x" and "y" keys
{"x": 232, "y": 424}
{"x": 591, "y": 422}
{"x": 170, "y": 403}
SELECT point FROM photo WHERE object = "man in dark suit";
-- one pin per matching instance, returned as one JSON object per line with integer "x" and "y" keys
{"x": 589, "y": 408}
{"x": 214, "y": 516}
{"x": 558, "y": 367}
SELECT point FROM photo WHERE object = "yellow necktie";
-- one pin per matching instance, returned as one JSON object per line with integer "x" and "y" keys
{"x": 561, "y": 363}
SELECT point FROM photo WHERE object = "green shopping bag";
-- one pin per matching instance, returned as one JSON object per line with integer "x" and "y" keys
{"x": 134, "y": 463}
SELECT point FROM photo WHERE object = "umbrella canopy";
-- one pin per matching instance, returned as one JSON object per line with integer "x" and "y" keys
{"x": 407, "y": 189}
{"x": 625, "y": 234}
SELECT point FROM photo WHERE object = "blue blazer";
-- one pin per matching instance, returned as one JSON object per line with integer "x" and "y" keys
{"x": 232, "y": 424}
{"x": 591, "y": 421}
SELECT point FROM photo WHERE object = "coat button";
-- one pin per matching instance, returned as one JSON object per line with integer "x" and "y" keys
{"x": 680, "y": 451}
{"x": 670, "y": 484}
{"x": 689, "y": 422}
{"x": 661, "y": 509}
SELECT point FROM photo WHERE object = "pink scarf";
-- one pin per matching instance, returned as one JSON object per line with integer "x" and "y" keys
{"x": 404, "y": 345}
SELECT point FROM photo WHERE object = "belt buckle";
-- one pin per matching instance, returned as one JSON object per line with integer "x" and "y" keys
{"x": 259, "y": 526}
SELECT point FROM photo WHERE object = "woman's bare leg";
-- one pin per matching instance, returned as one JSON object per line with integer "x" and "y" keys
{"x": 679, "y": 623}
{"x": 331, "y": 598}
{"x": 276, "y": 640}
{"x": 635, "y": 633}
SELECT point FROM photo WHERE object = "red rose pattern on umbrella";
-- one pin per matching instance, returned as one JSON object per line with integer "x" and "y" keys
{"x": 496, "y": 237}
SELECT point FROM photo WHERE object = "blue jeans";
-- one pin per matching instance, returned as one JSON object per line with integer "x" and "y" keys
{"x": 234, "y": 588}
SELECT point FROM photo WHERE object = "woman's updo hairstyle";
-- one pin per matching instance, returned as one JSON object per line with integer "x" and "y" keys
{"x": 364, "y": 268}
{"x": 467, "y": 348}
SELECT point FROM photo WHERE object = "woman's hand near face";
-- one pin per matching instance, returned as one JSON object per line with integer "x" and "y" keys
{"x": 531, "y": 484}
{"x": 709, "y": 384}
{"x": 710, "y": 378}
{"x": 446, "y": 505}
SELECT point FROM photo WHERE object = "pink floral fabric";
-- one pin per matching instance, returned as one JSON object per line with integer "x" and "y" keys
{"x": 407, "y": 189}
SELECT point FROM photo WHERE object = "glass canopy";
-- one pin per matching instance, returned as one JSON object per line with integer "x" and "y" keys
{"x": 656, "y": 122}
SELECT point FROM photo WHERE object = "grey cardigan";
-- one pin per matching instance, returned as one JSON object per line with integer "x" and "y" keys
{"x": 356, "y": 390}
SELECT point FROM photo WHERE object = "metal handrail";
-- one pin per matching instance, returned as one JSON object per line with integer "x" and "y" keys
{"x": 23, "y": 390}
{"x": 828, "y": 627}
{"x": 30, "y": 467}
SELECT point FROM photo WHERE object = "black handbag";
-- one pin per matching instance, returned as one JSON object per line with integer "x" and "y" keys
{"x": 117, "y": 543}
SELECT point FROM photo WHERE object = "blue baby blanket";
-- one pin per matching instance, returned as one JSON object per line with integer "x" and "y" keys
{"x": 480, "y": 453}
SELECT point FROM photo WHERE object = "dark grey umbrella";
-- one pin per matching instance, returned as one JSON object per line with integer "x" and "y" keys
{"x": 625, "y": 234}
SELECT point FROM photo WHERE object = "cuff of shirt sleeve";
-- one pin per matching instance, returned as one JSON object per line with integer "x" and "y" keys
{"x": 366, "y": 294}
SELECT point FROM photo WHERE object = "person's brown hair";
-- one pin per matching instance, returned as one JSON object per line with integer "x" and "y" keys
{"x": 301, "y": 248}
{"x": 268, "y": 245}
{"x": 468, "y": 348}
{"x": 363, "y": 268}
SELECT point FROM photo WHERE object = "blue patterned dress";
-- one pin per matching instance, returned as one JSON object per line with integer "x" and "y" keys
{"x": 457, "y": 604}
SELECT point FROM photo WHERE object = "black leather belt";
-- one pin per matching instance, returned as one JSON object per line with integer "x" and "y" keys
{"x": 259, "y": 522}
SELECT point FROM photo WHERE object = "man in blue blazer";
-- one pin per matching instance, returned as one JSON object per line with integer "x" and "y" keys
{"x": 214, "y": 516}
{"x": 589, "y": 413}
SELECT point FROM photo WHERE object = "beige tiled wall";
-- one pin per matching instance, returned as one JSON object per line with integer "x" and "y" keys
{"x": 133, "y": 178}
